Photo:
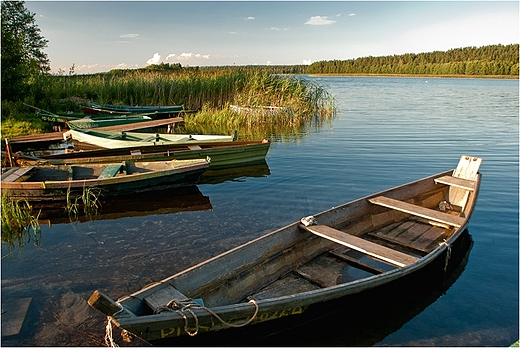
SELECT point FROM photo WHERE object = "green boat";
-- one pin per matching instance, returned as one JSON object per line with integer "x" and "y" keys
{"x": 61, "y": 182}
{"x": 227, "y": 154}
{"x": 112, "y": 120}
{"x": 93, "y": 108}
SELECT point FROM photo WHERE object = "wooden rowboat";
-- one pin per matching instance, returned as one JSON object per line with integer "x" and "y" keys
{"x": 93, "y": 108}
{"x": 65, "y": 118}
{"x": 114, "y": 140}
{"x": 51, "y": 183}
{"x": 340, "y": 253}
{"x": 104, "y": 121}
{"x": 227, "y": 154}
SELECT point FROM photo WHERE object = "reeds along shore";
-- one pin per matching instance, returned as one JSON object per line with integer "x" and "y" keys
{"x": 208, "y": 90}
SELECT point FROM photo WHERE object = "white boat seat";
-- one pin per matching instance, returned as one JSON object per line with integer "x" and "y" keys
{"x": 456, "y": 182}
{"x": 377, "y": 251}
{"x": 14, "y": 174}
{"x": 416, "y": 210}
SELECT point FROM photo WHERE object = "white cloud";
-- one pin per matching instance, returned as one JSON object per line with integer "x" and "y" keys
{"x": 351, "y": 14}
{"x": 133, "y": 36}
{"x": 187, "y": 56}
{"x": 307, "y": 61}
{"x": 250, "y": 18}
{"x": 156, "y": 59}
{"x": 320, "y": 20}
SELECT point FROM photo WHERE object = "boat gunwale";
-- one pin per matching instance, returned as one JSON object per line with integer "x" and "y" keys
{"x": 198, "y": 164}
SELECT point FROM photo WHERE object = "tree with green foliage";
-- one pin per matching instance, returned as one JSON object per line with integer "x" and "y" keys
{"x": 22, "y": 50}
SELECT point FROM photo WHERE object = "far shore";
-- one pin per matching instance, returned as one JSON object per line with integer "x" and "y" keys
{"x": 501, "y": 77}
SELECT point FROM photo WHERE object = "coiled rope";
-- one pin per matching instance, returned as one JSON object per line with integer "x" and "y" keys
{"x": 186, "y": 306}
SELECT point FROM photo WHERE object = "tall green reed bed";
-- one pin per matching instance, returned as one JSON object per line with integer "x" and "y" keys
{"x": 208, "y": 92}
{"x": 19, "y": 225}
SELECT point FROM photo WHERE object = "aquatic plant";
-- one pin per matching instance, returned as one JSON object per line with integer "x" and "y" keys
{"x": 89, "y": 200}
{"x": 19, "y": 225}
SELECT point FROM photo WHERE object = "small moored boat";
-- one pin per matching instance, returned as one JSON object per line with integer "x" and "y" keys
{"x": 114, "y": 140}
{"x": 51, "y": 183}
{"x": 104, "y": 121}
{"x": 227, "y": 154}
{"x": 93, "y": 108}
{"x": 347, "y": 250}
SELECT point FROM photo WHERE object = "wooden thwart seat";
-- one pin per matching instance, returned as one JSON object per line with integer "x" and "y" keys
{"x": 110, "y": 171}
{"x": 161, "y": 297}
{"x": 377, "y": 251}
{"x": 416, "y": 210}
{"x": 14, "y": 174}
{"x": 456, "y": 182}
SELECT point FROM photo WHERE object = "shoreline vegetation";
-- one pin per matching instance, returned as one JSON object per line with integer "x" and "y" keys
{"x": 257, "y": 101}
{"x": 210, "y": 91}
{"x": 444, "y": 76}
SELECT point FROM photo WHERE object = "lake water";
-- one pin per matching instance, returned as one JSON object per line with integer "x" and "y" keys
{"x": 388, "y": 131}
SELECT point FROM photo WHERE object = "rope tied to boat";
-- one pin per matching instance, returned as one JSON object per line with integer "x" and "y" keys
{"x": 186, "y": 305}
{"x": 448, "y": 254}
{"x": 109, "y": 340}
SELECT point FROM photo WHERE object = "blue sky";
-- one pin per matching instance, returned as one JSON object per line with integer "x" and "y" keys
{"x": 100, "y": 36}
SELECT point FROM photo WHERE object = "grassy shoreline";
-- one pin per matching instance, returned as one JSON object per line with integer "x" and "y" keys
{"x": 210, "y": 92}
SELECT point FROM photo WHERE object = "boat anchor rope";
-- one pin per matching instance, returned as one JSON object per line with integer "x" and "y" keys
{"x": 448, "y": 254}
{"x": 186, "y": 306}
{"x": 109, "y": 340}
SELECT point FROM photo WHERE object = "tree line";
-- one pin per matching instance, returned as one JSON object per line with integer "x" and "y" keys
{"x": 485, "y": 60}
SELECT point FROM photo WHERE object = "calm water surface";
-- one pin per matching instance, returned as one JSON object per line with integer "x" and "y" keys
{"x": 387, "y": 132}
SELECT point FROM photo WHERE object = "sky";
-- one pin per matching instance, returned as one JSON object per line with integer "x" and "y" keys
{"x": 97, "y": 36}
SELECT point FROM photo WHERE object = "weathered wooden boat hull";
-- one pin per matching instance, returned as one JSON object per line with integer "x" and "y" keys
{"x": 115, "y": 140}
{"x": 353, "y": 248}
{"x": 52, "y": 183}
{"x": 94, "y": 108}
{"x": 92, "y": 122}
{"x": 222, "y": 154}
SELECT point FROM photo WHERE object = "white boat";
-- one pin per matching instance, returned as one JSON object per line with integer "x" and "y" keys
{"x": 114, "y": 140}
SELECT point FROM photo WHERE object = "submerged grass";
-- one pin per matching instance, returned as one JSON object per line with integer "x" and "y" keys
{"x": 89, "y": 200}
{"x": 19, "y": 226}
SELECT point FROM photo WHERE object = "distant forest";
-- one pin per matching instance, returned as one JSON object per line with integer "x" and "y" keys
{"x": 485, "y": 60}
{"x": 494, "y": 60}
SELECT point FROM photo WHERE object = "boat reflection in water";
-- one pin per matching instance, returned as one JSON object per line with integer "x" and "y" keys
{"x": 217, "y": 176}
{"x": 364, "y": 320}
{"x": 169, "y": 201}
